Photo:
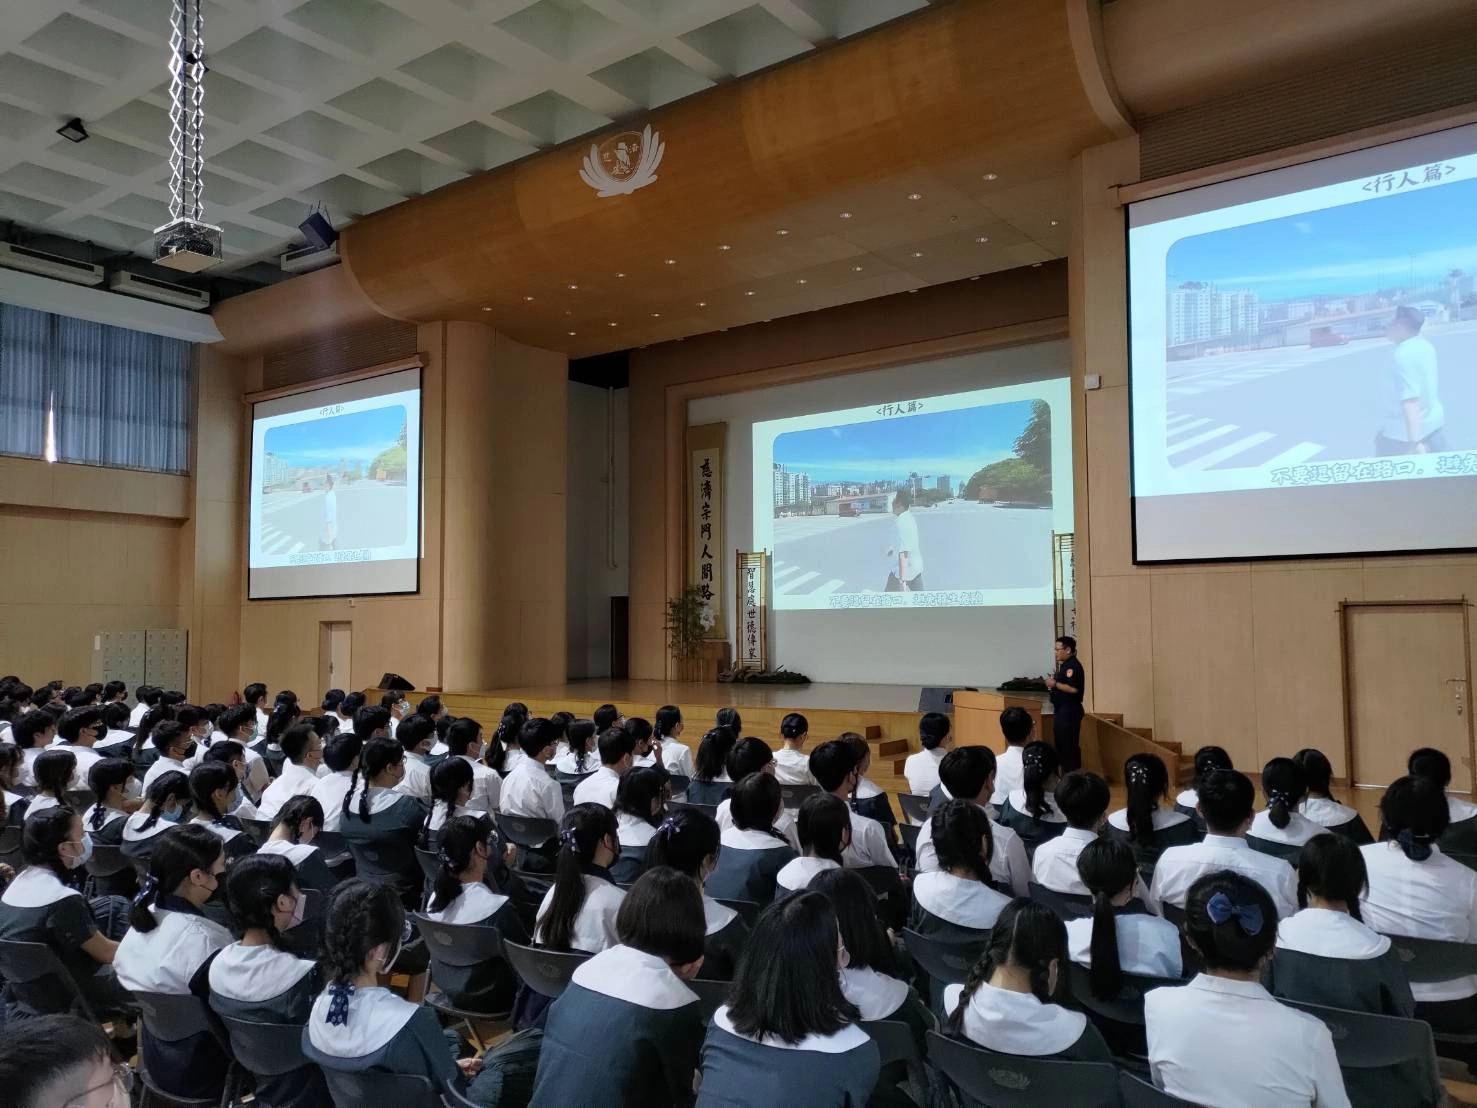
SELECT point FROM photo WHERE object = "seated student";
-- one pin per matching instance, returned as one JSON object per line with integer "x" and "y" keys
{"x": 451, "y": 796}
{"x": 824, "y": 825}
{"x": 212, "y": 786}
{"x": 833, "y": 765}
{"x": 643, "y": 751}
{"x": 666, "y": 731}
{"x": 1144, "y": 823}
{"x": 528, "y": 790}
{"x": 1354, "y": 967}
{"x": 1225, "y": 798}
{"x": 922, "y": 768}
{"x": 1223, "y": 1039}
{"x": 167, "y": 950}
{"x": 1320, "y": 807}
{"x": 416, "y": 735}
{"x": 52, "y": 772}
{"x": 1082, "y": 798}
{"x": 578, "y": 912}
{"x": 42, "y": 906}
{"x": 60, "y": 1060}
{"x": 1281, "y": 829}
{"x": 1030, "y": 811}
{"x": 753, "y": 852}
{"x": 956, "y": 901}
{"x": 117, "y": 740}
{"x": 79, "y": 731}
{"x": 968, "y": 773}
{"x": 297, "y": 825}
{"x": 788, "y": 1037}
{"x": 615, "y": 747}
{"x": 11, "y": 762}
{"x": 638, "y": 813}
{"x": 303, "y": 750}
{"x": 381, "y": 824}
{"x": 748, "y": 756}
{"x": 710, "y": 782}
{"x": 233, "y": 755}
{"x": 688, "y": 841}
{"x": 628, "y": 1030}
{"x": 464, "y": 742}
{"x": 579, "y": 758}
{"x": 1017, "y": 726}
{"x": 872, "y": 976}
{"x": 502, "y": 752}
{"x": 341, "y": 756}
{"x": 1416, "y": 890}
{"x": 174, "y": 745}
{"x": 1119, "y": 937}
{"x": 730, "y": 718}
{"x": 32, "y": 733}
{"x": 258, "y": 980}
{"x": 333, "y": 701}
{"x": 867, "y": 799}
{"x": 605, "y": 717}
{"x": 1460, "y": 836}
{"x": 108, "y": 781}
{"x": 1008, "y": 1002}
{"x": 791, "y": 764}
{"x": 166, "y": 803}
{"x": 1207, "y": 760}
{"x": 461, "y": 896}
{"x": 238, "y": 724}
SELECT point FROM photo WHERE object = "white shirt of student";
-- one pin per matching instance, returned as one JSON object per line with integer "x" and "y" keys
{"x": 86, "y": 757}
{"x": 1230, "y": 1044}
{"x": 1055, "y": 863}
{"x": 487, "y": 786}
{"x": 1299, "y": 829}
{"x": 1163, "y": 818}
{"x": 959, "y": 900}
{"x": 797, "y": 873}
{"x": 163, "y": 960}
{"x": 1459, "y": 810}
{"x": 922, "y": 770}
{"x": 475, "y": 904}
{"x": 1180, "y": 866}
{"x": 1326, "y": 933}
{"x": 636, "y": 977}
{"x": 792, "y": 767}
{"x": 256, "y": 973}
{"x": 594, "y": 923}
{"x": 296, "y": 780}
{"x": 1413, "y": 377}
{"x": 1434, "y": 899}
{"x": 417, "y": 779}
{"x": 676, "y": 758}
{"x": 1009, "y": 1022}
{"x": 632, "y": 831}
{"x": 1326, "y": 812}
{"x": 784, "y": 825}
{"x": 868, "y": 844}
{"x": 530, "y": 792}
{"x": 1010, "y": 775}
{"x": 598, "y": 788}
{"x": 160, "y": 768}
{"x": 330, "y": 792}
{"x": 1010, "y": 867}
{"x": 136, "y": 715}
{"x": 258, "y": 777}
{"x": 905, "y": 538}
{"x": 1147, "y": 945}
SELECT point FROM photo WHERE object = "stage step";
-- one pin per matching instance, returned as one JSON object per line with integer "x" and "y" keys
{"x": 887, "y": 747}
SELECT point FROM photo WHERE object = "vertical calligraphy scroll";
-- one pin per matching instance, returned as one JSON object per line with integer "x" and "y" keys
{"x": 706, "y": 551}
{"x": 752, "y": 610}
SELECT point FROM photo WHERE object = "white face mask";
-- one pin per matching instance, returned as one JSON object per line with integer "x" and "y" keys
{"x": 299, "y": 906}
{"x": 133, "y": 788}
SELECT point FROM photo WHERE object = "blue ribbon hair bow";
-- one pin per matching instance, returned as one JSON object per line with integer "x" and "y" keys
{"x": 1248, "y": 917}
{"x": 338, "y": 1003}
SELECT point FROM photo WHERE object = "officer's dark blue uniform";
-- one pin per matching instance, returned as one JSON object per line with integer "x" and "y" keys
{"x": 1066, "y": 709}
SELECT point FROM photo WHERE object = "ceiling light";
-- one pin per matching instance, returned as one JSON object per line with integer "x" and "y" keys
{"x": 749, "y": 293}
{"x": 800, "y": 281}
{"x": 915, "y": 196}
{"x": 610, "y": 325}
{"x": 917, "y": 253}
{"x": 671, "y": 261}
{"x": 572, "y": 288}
{"x": 571, "y": 334}
{"x": 1054, "y": 222}
{"x": 702, "y": 303}
{"x": 782, "y": 231}
{"x": 982, "y": 238}
{"x": 845, "y": 215}
{"x": 991, "y": 176}
{"x": 620, "y": 274}
{"x": 656, "y": 315}
{"x": 725, "y": 246}
{"x": 856, "y": 269}
{"x": 72, "y": 130}
{"x": 528, "y": 299}
{"x": 487, "y": 309}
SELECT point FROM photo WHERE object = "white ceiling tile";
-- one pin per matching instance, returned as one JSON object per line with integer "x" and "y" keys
{"x": 652, "y": 78}
{"x": 552, "y": 118}
{"x": 364, "y": 26}
{"x": 479, "y": 147}
{"x": 412, "y": 173}
{"x": 48, "y": 184}
{"x": 746, "y": 41}
{"x": 42, "y": 86}
{"x": 561, "y": 30}
{"x": 277, "y": 59}
{"x": 26, "y": 209}
{"x": 86, "y": 45}
{"x": 383, "y": 104}
{"x": 456, "y": 71}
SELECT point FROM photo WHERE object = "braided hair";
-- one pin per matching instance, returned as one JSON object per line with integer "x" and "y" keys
{"x": 297, "y": 809}
{"x": 459, "y": 839}
{"x": 581, "y": 737}
{"x": 377, "y": 756}
{"x": 252, "y": 887}
{"x": 448, "y": 778}
{"x": 1148, "y": 783}
{"x": 962, "y": 838}
{"x": 105, "y": 774}
{"x": 583, "y": 829}
{"x": 1026, "y": 934}
{"x": 361, "y": 915}
{"x": 1039, "y": 763}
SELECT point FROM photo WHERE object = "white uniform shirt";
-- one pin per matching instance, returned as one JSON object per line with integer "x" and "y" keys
{"x": 330, "y": 792}
{"x": 86, "y": 757}
{"x": 799, "y": 872}
{"x": 1326, "y": 933}
{"x": 136, "y": 716}
{"x": 1010, "y": 775}
{"x": 165, "y": 959}
{"x": 1147, "y": 945}
{"x": 959, "y": 900}
{"x": 487, "y": 786}
{"x": 1009, "y": 1022}
{"x": 1055, "y": 863}
{"x": 1180, "y": 866}
{"x": 1326, "y": 812}
{"x": 530, "y": 792}
{"x": 160, "y": 768}
{"x": 784, "y": 824}
{"x": 1413, "y": 377}
{"x": 1230, "y": 1044}
{"x": 417, "y": 780}
{"x": 676, "y": 758}
{"x": 905, "y": 538}
{"x": 475, "y": 904}
{"x": 598, "y": 788}
{"x": 295, "y": 781}
{"x": 922, "y": 770}
{"x": 594, "y": 924}
{"x": 868, "y": 844}
{"x": 1299, "y": 829}
{"x": 792, "y": 767}
{"x": 1010, "y": 867}
{"x": 1434, "y": 899}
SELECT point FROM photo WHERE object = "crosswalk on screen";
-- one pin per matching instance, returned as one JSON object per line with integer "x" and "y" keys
{"x": 920, "y": 501}
{"x": 1304, "y": 358}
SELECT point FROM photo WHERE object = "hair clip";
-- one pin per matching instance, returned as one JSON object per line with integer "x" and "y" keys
{"x": 151, "y": 883}
{"x": 338, "y": 1003}
{"x": 1416, "y": 847}
{"x": 1138, "y": 774}
{"x": 566, "y": 838}
{"x": 445, "y": 859}
{"x": 1221, "y": 909}
{"x": 668, "y": 827}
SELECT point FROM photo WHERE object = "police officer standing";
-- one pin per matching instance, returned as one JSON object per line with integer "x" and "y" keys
{"x": 1067, "y": 686}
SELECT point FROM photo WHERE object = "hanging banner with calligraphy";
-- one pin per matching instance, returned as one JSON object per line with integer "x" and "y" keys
{"x": 752, "y": 610}
{"x": 706, "y": 552}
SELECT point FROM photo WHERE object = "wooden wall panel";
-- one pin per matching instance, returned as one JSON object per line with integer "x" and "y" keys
{"x": 1121, "y": 668}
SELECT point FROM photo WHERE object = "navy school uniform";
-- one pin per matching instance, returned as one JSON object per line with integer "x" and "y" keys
{"x": 15, "y": 809}
{"x": 1460, "y": 836}
{"x": 634, "y": 833}
{"x": 708, "y": 792}
{"x": 228, "y": 829}
{"x": 872, "y": 802}
{"x": 110, "y": 833}
{"x": 262, "y": 984}
{"x": 626, "y": 1031}
{"x": 138, "y": 838}
{"x": 393, "y": 828}
{"x": 490, "y": 986}
{"x": 748, "y": 863}
{"x": 952, "y": 908}
{"x": 1032, "y": 830}
{"x": 1171, "y": 828}
{"x": 312, "y": 868}
{"x": 740, "y": 1071}
{"x": 1338, "y": 818}
{"x": 725, "y": 938}
{"x": 1339, "y": 962}
{"x": 382, "y": 1032}
{"x": 1009, "y": 1022}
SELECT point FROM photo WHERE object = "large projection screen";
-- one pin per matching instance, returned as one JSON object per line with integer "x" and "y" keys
{"x": 1303, "y": 348}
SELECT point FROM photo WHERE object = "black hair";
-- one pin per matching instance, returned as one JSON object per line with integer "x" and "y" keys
{"x": 605, "y": 716}
{"x": 1285, "y": 786}
{"x": 1039, "y": 763}
{"x": 668, "y": 716}
{"x": 859, "y": 747}
{"x": 966, "y": 770}
{"x": 685, "y": 840}
{"x": 411, "y": 731}
{"x": 1414, "y": 813}
{"x": 862, "y": 932}
{"x": 42, "y": 836}
{"x": 190, "y": 715}
{"x": 390, "y": 699}
{"x": 205, "y": 780}
{"x": 749, "y": 755}
{"x": 1026, "y": 934}
{"x": 712, "y": 753}
{"x": 662, "y": 914}
{"x": 1083, "y": 798}
{"x": 39, "y": 1054}
{"x": 462, "y": 733}
{"x": 637, "y": 789}
{"x": 1317, "y": 770}
{"x": 253, "y": 885}
{"x": 297, "y": 741}
{"x": 1235, "y": 944}
{"x": 377, "y": 756}
{"x": 430, "y": 706}
{"x": 25, "y": 731}
{"x": 831, "y": 762}
{"x": 284, "y": 712}
{"x": 793, "y": 726}
{"x": 225, "y": 752}
{"x": 505, "y": 735}
{"x": 448, "y": 778}
{"x": 53, "y": 771}
{"x": 69, "y": 727}
{"x": 459, "y": 838}
{"x": 360, "y": 916}
{"x": 1106, "y": 867}
{"x": 1207, "y": 759}
{"x": 1411, "y": 318}
{"x": 368, "y": 720}
{"x": 105, "y": 774}
{"x": 562, "y": 720}
{"x": 1016, "y": 724}
{"x": 114, "y": 689}
{"x": 167, "y": 734}
{"x": 235, "y": 718}
{"x": 581, "y": 831}
{"x": 341, "y": 750}
{"x": 639, "y": 729}
{"x": 332, "y": 699}
{"x": 1226, "y": 798}
{"x": 1430, "y": 763}
{"x": 614, "y": 744}
{"x": 933, "y": 729}
{"x": 962, "y": 838}
{"x": 353, "y": 701}
{"x": 787, "y": 984}
{"x": 298, "y": 808}
{"x": 580, "y": 735}
{"x": 824, "y": 825}
{"x": 1146, "y": 780}
{"x": 730, "y": 718}
{"x": 172, "y": 785}
{"x": 755, "y": 802}
{"x": 254, "y": 692}
{"x": 176, "y": 854}
{"x": 286, "y": 696}
{"x": 537, "y": 735}
{"x": 115, "y": 714}
{"x": 1332, "y": 868}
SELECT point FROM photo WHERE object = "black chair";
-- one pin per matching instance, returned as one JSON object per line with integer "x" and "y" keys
{"x": 361, "y": 1087}
{"x": 526, "y": 832}
{"x": 546, "y": 972}
{"x": 709, "y": 810}
{"x": 1384, "y": 1059}
{"x": 794, "y": 795}
{"x": 897, "y": 1043}
{"x": 79, "y": 800}
{"x": 333, "y": 845}
{"x": 10, "y": 848}
{"x": 748, "y": 911}
{"x": 915, "y": 808}
{"x": 459, "y": 944}
{"x": 259, "y": 829}
{"x": 1013, "y": 1081}
{"x": 1138, "y": 1093}
{"x": 1174, "y": 913}
{"x": 711, "y": 995}
{"x": 1468, "y": 860}
{"x": 106, "y": 861}
{"x": 1427, "y": 961}
{"x": 1066, "y": 906}
{"x": 430, "y": 864}
{"x": 1288, "y": 852}
{"x": 679, "y": 783}
{"x": 947, "y": 963}
{"x": 1120, "y": 1019}
{"x": 534, "y": 885}
{"x": 38, "y": 979}
{"x": 266, "y": 1049}
{"x": 909, "y": 832}
{"x": 170, "y": 1018}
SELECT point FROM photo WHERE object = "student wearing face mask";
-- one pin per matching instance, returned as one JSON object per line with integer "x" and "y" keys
{"x": 238, "y": 724}
{"x": 212, "y": 787}
{"x": 688, "y": 841}
{"x": 165, "y": 803}
{"x": 232, "y": 755}
{"x": 175, "y": 745}
{"x": 110, "y": 780}
{"x": 381, "y": 823}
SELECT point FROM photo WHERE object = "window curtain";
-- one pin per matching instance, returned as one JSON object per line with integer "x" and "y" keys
{"x": 25, "y": 384}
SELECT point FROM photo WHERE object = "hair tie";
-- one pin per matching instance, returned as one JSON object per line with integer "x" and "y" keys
{"x": 1417, "y": 847}
{"x": 1138, "y": 774}
{"x": 566, "y": 838}
{"x": 338, "y": 1003}
{"x": 150, "y": 885}
{"x": 1221, "y": 909}
{"x": 445, "y": 859}
{"x": 668, "y": 826}
{"x": 1279, "y": 796}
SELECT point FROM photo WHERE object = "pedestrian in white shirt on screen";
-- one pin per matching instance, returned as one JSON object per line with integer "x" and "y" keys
{"x": 1415, "y": 421}
{"x": 906, "y": 554}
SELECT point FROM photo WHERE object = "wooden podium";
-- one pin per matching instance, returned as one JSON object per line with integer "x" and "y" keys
{"x": 977, "y": 716}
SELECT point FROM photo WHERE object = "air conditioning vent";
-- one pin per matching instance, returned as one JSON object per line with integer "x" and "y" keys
{"x": 162, "y": 292}
{"x": 43, "y": 264}
{"x": 305, "y": 258}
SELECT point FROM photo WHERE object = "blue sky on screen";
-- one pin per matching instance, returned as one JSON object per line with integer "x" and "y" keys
{"x": 1422, "y": 233}
{"x": 355, "y": 437}
{"x": 939, "y": 444}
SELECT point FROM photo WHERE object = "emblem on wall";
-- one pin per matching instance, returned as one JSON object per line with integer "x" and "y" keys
{"x": 623, "y": 163}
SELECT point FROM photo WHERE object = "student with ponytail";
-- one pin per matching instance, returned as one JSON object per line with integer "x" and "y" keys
{"x": 753, "y": 851}
{"x": 968, "y": 773}
{"x": 503, "y": 752}
{"x": 1321, "y": 807}
{"x": 381, "y": 823}
{"x": 1120, "y": 936}
{"x": 1031, "y": 810}
{"x": 791, "y": 763}
{"x": 1223, "y": 1039}
{"x": 1208, "y": 759}
{"x": 824, "y": 824}
{"x": 144, "y": 752}
{"x": 341, "y": 756}
{"x": 672, "y": 751}
{"x": 298, "y": 823}
{"x": 710, "y": 782}
{"x": 1008, "y": 1002}
{"x": 257, "y": 979}
{"x": 956, "y": 902}
{"x": 1281, "y": 829}
{"x": 580, "y": 757}
{"x": 167, "y": 951}
{"x": 578, "y": 912}
{"x": 1460, "y": 836}
{"x": 212, "y": 787}
{"x": 451, "y": 793}
{"x": 638, "y": 813}
{"x": 461, "y": 896}
{"x": 688, "y": 841}
{"x": 1145, "y": 822}
{"x": 12, "y": 804}
{"x": 53, "y": 772}
{"x": 166, "y": 802}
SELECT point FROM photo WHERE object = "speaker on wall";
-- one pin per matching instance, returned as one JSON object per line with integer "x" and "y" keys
{"x": 393, "y": 682}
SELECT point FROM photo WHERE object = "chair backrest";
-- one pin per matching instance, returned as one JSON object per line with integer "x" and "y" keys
{"x": 1429, "y": 960}
{"x": 1138, "y": 1093}
{"x": 430, "y": 864}
{"x": 107, "y": 860}
{"x": 80, "y": 799}
{"x": 332, "y": 844}
{"x": 534, "y": 884}
{"x": 460, "y": 944}
{"x": 748, "y": 911}
{"x": 37, "y": 976}
{"x": 948, "y": 963}
{"x": 794, "y": 795}
{"x": 266, "y": 1049}
{"x": 679, "y": 783}
{"x": 10, "y": 846}
{"x": 258, "y": 829}
{"x": 909, "y": 832}
{"x": 1288, "y": 852}
{"x": 1366, "y": 1042}
{"x": 915, "y": 808}
{"x": 1174, "y": 913}
{"x": 1468, "y": 860}
{"x": 361, "y": 1087}
{"x": 711, "y": 995}
{"x": 895, "y": 1041}
{"x": 544, "y": 971}
{"x": 1012, "y": 1081}
{"x": 170, "y": 1017}
{"x": 1126, "y": 1007}
{"x": 526, "y": 831}
{"x": 1065, "y": 905}
{"x": 709, "y": 810}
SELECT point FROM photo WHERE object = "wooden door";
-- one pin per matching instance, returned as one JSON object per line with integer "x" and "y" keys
{"x": 1407, "y": 676}
{"x": 333, "y": 655}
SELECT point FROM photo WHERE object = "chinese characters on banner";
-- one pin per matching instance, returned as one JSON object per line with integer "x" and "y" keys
{"x": 753, "y": 610}
{"x": 705, "y": 520}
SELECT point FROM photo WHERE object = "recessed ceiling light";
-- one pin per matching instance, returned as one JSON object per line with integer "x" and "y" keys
{"x": 991, "y": 176}
{"x": 671, "y": 261}
{"x": 725, "y": 246}
{"x": 572, "y": 288}
{"x": 656, "y": 315}
{"x": 915, "y": 196}
{"x": 856, "y": 269}
{"x": 800, "y": 281}
{"x": 1055, "y": 222}
{"x": 1035, "y": 265}
{"x": 571, "y": 334}
{"x": 702, "y": 303}
{"x": 749, "y": 293}
{"x": 528, "y": 299}
{"x": 487, "y": 309}
{"x": 72, "y": 130}
{"x": 917, "y": 253}
{"x": 912, "y": 290}
{"x": 982, "y": 238}
{"x": 620, "y": 274}
{"x": 610, "y": 325}
{"x": 845, "y": 215}
{"x": 782, "y": 231}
